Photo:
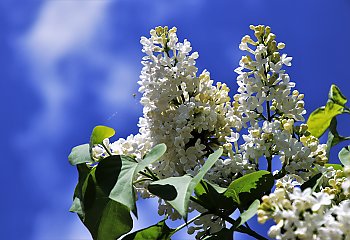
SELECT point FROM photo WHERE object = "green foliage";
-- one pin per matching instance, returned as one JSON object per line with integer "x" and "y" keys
{"x": 175, "y": 190}
{"x": 99, "y": 133}
{"x": 80, "y": 154}
{"x": 321, "y": 118}
{"x": 336, "y": 96}
{"x": 333, "y": 136}
{"x": 104, "y": 194}
{"x": 106, "y": 219}
{"x": 178, "y": 190}
{"x": 246, "y": 189}
{"x": 335, "y": 166}
{"x": 115, "y": 221}
{"x": 344, "y": 156}
{"x": 212, "y": 198}
{"x": 159, "y": 231}
{"x": 116, "y": 174}
{"x": 248, "y": 214}
{"x": 312, "y": 182}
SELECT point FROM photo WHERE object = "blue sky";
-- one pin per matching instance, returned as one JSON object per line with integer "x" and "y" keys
{"x": 68, "y": 65}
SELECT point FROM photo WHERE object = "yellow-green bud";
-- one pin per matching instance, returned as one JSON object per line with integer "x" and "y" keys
{"x": 281, "y": 45}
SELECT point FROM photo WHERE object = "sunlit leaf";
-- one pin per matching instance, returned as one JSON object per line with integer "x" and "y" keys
{"x": 336, "y": 95}
{"x": 334, "y": 166}
{"x": 99, "y": 133}
{"x": 321, "y": 118}
{"x": 246, "y": 189}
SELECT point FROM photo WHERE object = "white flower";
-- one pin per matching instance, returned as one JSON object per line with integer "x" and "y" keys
{"x": 234, "y": 137}
{"x": 286, "y": 60}
{"x": 322, "y": 199}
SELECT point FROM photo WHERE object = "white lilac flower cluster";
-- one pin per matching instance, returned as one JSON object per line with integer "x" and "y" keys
{"x": 305, "y": 215}
{"x": 193, "y": 117}
{"x": 269, "y": 108}
{"x": 185, "y": 111}
{"x": 322, "y": 214}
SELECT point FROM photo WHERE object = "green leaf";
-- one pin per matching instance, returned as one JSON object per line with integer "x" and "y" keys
{"x": 83, "y": 173}
{"x": 333, "y": 136}
{"x": 335, "y": 166}
{"x": 80, "y": 154}
{"x": 115, "y": 221}
{"x": 159, "y": 231}
{"x": 249, "y": 187}
{"x": 99, "y": 133}
{"x": 174, "y": 190}
{"x": 178, "y": 190}
{"x": 77, "y": 207}
{"x": 205, "y": 168}
{"x": 108, "y": 170}
{"x": 320, "y": 119}
{"x": 153, "y": 155}
{"x": 313, "y": 182}
{"x": 336, "y": 96}
{"x": 344, "y": 156}
{"x": 103, "y": 217}
{"x": 223, "y": 234}
{"x": 115, "y": 174}
{"x": 248, "y": 214}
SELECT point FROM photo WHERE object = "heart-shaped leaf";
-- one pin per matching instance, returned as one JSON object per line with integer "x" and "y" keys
{"x": 104, "y": 218}
{"x": 320, "y": 119}
{"x": 99, "y": 133}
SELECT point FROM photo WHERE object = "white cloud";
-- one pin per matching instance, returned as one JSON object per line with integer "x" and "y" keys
{"x": 63, "y": 27}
